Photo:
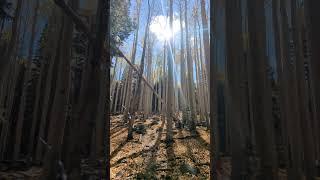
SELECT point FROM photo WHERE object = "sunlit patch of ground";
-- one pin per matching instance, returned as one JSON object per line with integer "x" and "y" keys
{"x": 148, "y": 157}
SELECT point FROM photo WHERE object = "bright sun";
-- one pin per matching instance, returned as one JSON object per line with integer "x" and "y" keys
{"x": 161, "y": 28}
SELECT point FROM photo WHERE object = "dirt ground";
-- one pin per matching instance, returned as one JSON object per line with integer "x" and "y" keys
{"x": 148, "y": 157}
{"x": 89, "y": 170}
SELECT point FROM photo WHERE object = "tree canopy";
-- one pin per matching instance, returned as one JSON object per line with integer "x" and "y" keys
{"x": 121, "y": 25}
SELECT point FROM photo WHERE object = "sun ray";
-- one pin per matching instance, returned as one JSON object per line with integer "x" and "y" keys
{"x": 161, "y": 28}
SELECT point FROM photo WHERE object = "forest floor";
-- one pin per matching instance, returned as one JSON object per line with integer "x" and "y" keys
{"x": 24, "y": 170}
{"x": 147, "y": 156}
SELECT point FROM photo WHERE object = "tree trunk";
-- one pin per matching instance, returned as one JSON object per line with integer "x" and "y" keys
{"x": 205, "y": 31}
{"x": 129, "y": 97}
{"x": 28, "y": 78}
{"x": 303, "y": 98}
{"x": 135, "y": 100}
{"x": 50, "y": 82}
{"x": 217, "y": 115}
{"x": 170, "y": 96}
{"x": 60, "y": 102}
{"x": 260, "y": 90}
{"x": 191, "y": 122}
{"x": 4, "y": 63}
{"x": 235, "y": 60}
{"x": 313, "y": 29}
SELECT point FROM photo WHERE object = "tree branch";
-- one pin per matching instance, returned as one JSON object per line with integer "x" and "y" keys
{"x": 143, "y": 78}
{"x": 75, "y": 18}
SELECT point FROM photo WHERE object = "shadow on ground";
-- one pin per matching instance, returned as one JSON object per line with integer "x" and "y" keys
{"x": 148, "y": 156}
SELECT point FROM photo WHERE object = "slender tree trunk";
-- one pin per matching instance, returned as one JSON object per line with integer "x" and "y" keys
{"x": 93, "y": 121}
{"x": 203, "y": 76}
{"x": 148, "y": 94}
{"x": 170, "y": 96}
{"x": 292, "y": 112}
{"x": 54, "y": 33}
{"x": 133, "y": 57}
{"x": 238, "y": 123}
{"x": 278, "y": 31}
{"x": 313, "y": 29}
{"x": 191, "y": 122}
{"x": 205, "y": 31}
{"x": 11, "y": 103}
{"x": 125, "y": 87}
{"x": 4, "y": 63}
{"x": 305, "y": 118}
{"x": 115, "y": 70}
{"x": 261, "y": 90}
{"x": 6, "y": 78}
{"x": 26, "y": 83}
{"x": 60, "y": 102}
{"x": 217, "y": 117}
{"x": 135, "y": 101}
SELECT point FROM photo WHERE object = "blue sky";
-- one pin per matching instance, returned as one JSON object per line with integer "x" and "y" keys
{"x": 160, "y": 9}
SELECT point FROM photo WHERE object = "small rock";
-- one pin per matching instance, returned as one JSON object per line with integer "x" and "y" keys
{"x": 154, "y": 123}
{"x": 120, "y": 174}
{"x": 186, "y": 168}
{"x": 139, "y": 128}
